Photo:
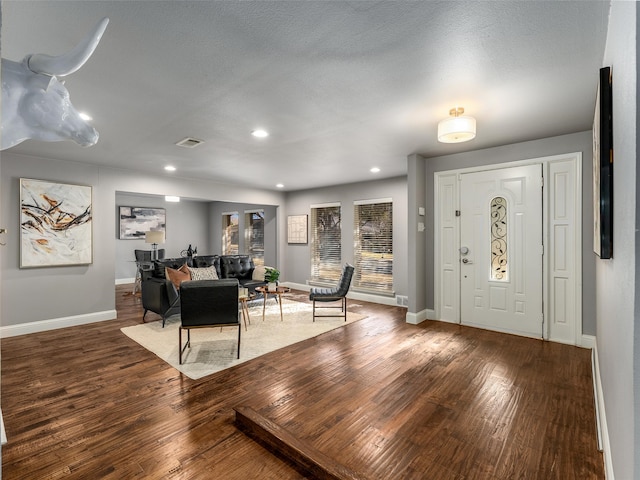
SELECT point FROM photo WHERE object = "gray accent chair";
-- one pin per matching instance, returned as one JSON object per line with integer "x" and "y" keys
{"x": 338, "y": 293}
{"x": 208, "y": 304}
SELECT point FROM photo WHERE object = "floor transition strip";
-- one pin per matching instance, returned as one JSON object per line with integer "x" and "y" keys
{"x": 304, "y": 457}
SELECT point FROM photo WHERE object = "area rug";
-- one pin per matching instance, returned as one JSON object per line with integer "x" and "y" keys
{"x": 214, "y": 349}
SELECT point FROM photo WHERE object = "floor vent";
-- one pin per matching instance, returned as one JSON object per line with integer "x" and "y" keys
{"x": 402, "y": 300}
{"x": 189, "y": 142}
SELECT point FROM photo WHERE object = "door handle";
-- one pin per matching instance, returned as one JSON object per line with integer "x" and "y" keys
{"x": 466, "y": 261}
{"x": 3, "y": 230}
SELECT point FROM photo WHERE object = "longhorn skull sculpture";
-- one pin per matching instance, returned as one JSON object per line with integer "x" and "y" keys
{"x": 36, "y": 105}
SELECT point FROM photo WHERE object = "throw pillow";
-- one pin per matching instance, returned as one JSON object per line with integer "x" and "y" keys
{"x": 178, "y": 276}
{"x": 259, "y": 272}
{"x": 208, "y": 273}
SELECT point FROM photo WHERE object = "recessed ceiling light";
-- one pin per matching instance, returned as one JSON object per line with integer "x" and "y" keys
{"x": 280, "y": 185}
{"x": 85, "y": 117}
{"x": 171, "y": 198}
{"x": 170, "y": 168}
{"x": 374, "y": 170}
{"x": 260, "y": 133}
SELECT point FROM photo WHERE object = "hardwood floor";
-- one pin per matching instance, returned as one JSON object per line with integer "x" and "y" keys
{"x": 386, "y": 399}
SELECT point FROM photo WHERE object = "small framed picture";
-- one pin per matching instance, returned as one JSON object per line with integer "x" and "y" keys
{"x": 297, "y": 229}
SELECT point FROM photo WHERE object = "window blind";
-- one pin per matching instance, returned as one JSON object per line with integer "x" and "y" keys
{"x": 373, "y": 245}
{"x": 230, "y": 233}
{"x": 254, "y": 235}
{"x": 326, "y": 243}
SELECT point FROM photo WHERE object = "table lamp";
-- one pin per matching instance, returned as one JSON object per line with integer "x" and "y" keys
{"x": 154, "y": 238}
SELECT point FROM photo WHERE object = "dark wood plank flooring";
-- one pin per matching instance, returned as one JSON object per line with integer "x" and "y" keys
{"x": 386, "y": 399}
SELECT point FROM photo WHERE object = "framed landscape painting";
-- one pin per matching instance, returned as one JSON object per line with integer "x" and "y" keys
{"x": 136, "y": 221}
{"x": 56, "y": 224}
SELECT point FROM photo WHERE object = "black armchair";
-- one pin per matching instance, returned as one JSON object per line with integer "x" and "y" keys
{"x": 160, "y": 296}
{"x": 206, "y": 304}
{"x": 143, "y": 265}
{"x": 145, "y": 255}
{"x": 335, "y": 294}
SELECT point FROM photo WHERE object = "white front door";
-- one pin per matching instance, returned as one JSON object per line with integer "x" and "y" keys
{"x": 501, "y": 250}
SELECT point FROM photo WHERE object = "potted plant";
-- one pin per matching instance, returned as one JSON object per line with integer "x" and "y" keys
{"x": 271, "y": 276}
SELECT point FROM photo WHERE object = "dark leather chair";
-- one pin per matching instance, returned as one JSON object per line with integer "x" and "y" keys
{"x": 207, "y": 304}
{"x": 144, "y": 265}
{"x": 160, "y": 296}
{"x": 338, "y": 293}
{"x": 145, "y": 255}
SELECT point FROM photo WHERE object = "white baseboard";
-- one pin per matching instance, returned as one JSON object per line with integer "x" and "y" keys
{"x": 365, "y": 297}
{"x": 588, "y": 341}
{"x": 296, "y": 286}
{"x": 419, "y": 317}
{"x": 54, "y": 323}
{"x": 416, "y": 318}
{"x": 122, "y": 281}
{"x": 601, "y": 417}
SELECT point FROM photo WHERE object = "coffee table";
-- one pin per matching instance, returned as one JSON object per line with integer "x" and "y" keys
{"x": 279, "y": 291}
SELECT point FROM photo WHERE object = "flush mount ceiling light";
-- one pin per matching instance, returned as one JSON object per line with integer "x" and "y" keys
{"x": 170, "y": 168}
{"x": 171, "y": 198}
{"x": 374, "y": 170}
{"x": 457, "y": 128}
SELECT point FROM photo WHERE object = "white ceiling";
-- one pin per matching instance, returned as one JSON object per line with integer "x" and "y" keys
{"x": 342, "y": 86}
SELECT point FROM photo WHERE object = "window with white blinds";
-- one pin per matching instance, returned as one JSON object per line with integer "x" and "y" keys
{"x": 254, "y": 235}
{"x": 230, "y": 234}
{"x": 373, "y": 245}
{"x": 326, "y": 243}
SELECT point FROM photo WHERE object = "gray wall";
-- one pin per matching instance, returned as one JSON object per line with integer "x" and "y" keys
{"x": 296, "y": 260}
{"x": 636, "y": 342}
{"x": 417, "y": 240}
{"x": 30, "y": 295}
{"x": 616, "y": 294}
{"x": 577, "y": 142}
{"x": 187, "y": 223}
{"x": 34, "y": 294}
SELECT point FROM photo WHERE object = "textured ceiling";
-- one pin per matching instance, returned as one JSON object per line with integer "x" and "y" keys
{"x": 341, "y": 86}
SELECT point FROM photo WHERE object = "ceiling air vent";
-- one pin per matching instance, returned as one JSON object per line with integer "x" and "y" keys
{"x": 189, "y": 142}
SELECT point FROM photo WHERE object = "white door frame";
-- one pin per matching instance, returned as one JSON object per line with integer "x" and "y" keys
{"x": 562, "y": 236}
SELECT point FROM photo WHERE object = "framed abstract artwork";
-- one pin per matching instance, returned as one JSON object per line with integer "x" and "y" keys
{"x": 136, "y": 221}
{"x": 603, "y": 168}
{"x": 297, "y": 229}
{"x": 56, "y": 224}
